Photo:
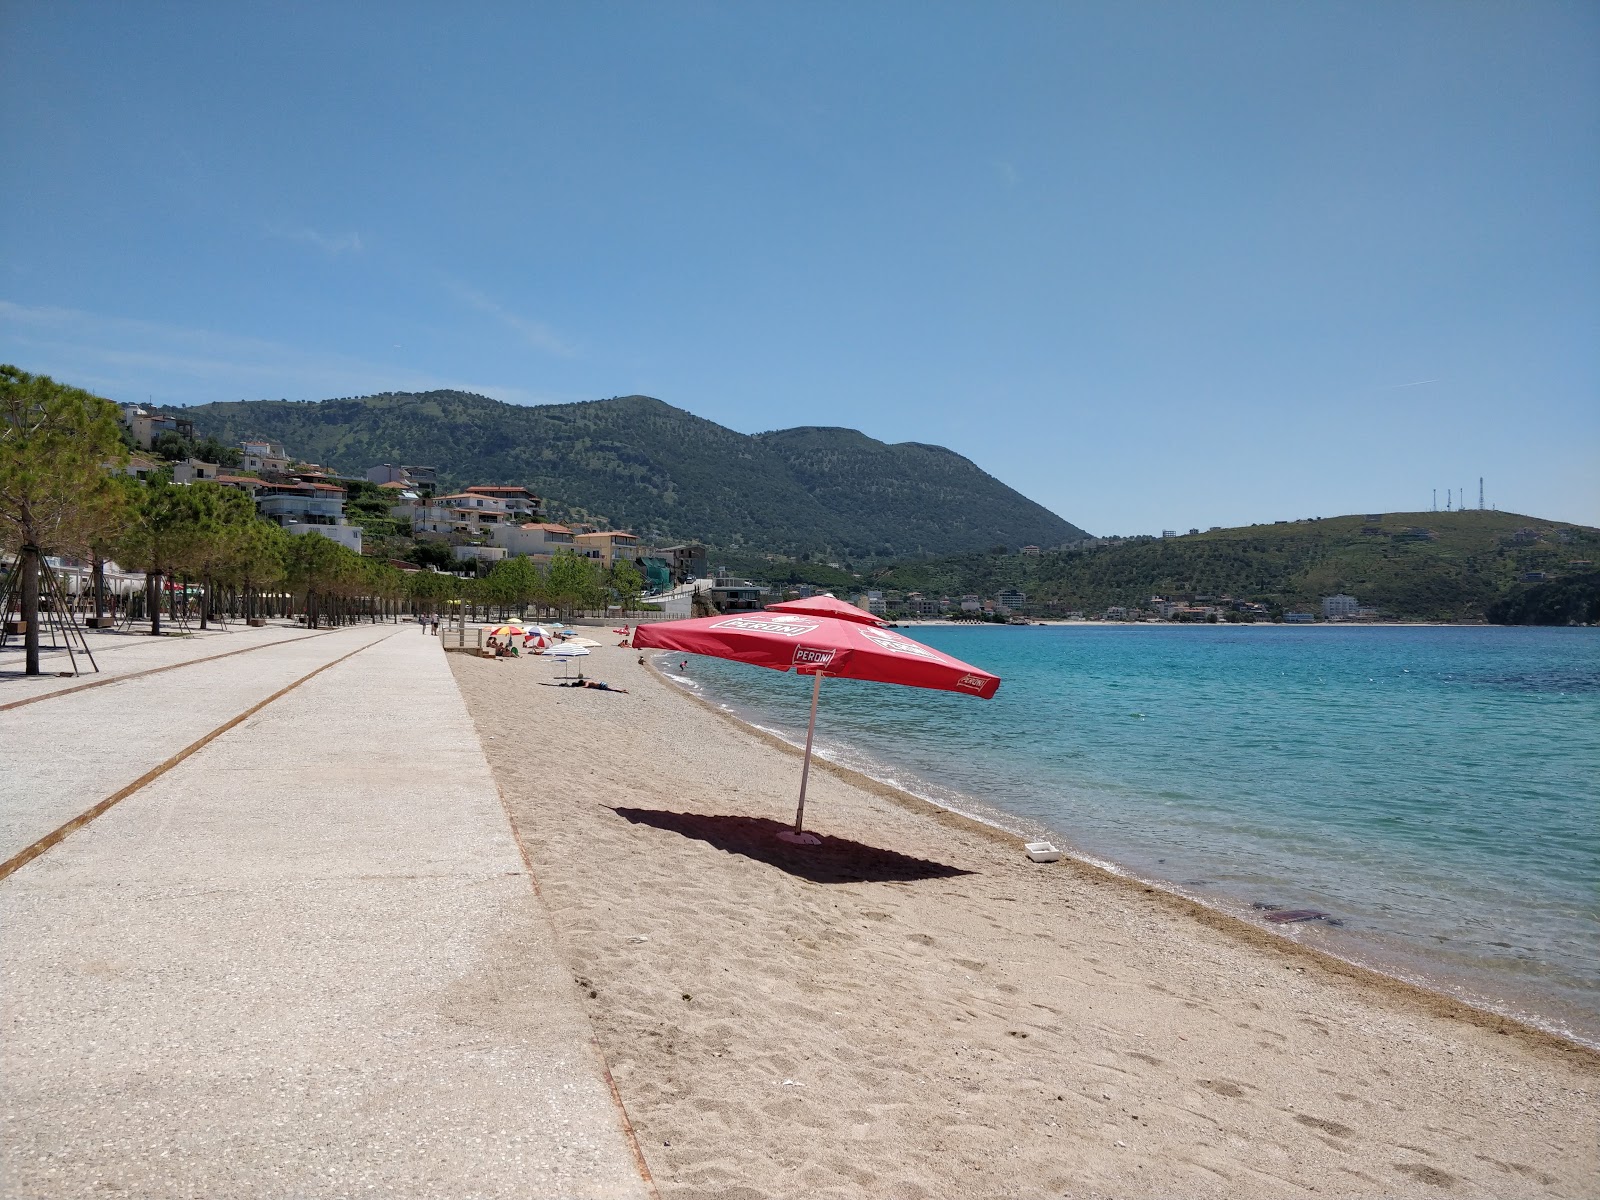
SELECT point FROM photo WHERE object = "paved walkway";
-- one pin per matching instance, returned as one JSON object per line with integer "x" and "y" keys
{"x": 124, "y": 652}
{"x": 305, "y": 961}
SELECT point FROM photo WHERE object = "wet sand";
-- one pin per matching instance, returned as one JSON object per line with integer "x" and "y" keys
{"x": 913, "y": 1009}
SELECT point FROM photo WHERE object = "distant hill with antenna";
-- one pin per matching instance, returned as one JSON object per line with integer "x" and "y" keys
{"x": 1438, "y": 566}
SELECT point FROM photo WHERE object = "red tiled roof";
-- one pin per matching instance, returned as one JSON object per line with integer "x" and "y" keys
{"x": 547, "y": 525}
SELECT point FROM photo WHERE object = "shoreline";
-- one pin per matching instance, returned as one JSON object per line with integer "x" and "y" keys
{"x": 913, "y": 1010}
{"x": 1430, "y": 999}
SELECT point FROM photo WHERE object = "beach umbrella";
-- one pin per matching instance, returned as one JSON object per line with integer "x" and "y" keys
{"x": 827, "y": 605}
{"x": 564, "y": 652}
{"x": 820, "y": 639}
{"x": 507, "y": 631}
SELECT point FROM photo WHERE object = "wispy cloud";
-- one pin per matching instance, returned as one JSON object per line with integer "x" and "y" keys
{"x": 129, "y": 359}
{"x": 1389, "y": 387}
{"x": 534, "y": 333}
{"x": 334, "y": 244}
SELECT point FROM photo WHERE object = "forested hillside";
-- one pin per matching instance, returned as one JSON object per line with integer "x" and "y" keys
{"x": 640, "y": 464}
{"x": 1417, "y": 566}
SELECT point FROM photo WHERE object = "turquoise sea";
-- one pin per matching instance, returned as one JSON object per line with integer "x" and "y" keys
{"x": 1433, "y": 790}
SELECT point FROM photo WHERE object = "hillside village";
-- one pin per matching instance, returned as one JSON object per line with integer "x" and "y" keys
{"x": 398, "y": 514}
{"x": 398, "y": 509}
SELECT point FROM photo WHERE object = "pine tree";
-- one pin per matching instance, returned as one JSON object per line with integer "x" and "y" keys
{"x": 55, "y": 445}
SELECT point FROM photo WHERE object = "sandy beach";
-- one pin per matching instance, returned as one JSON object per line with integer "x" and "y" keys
{"x": 913, "y": 1009}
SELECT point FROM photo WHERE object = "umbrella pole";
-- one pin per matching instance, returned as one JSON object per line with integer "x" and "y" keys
{"x": 805, "y": 769}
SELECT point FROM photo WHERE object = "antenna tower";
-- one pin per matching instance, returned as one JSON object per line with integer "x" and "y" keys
{"x": 1480, "y": 493}
{"x": 1435, "y": 499}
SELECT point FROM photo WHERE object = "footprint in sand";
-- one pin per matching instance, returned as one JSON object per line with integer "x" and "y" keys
{"x": 1222, "y": 1087}
{"x": 1324, "y": 1124}
{"x": 1426, "y": 1174}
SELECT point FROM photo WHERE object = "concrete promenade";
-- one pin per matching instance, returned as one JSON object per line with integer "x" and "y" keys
{"x": 306, "y": 960}
{"x": 120, "y": 653}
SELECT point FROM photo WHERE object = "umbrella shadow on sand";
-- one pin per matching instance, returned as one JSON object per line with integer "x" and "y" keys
{"x": 836, "y": 860}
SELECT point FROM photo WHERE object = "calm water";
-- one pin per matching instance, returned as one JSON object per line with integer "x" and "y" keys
{"x": 1432, "y": 789}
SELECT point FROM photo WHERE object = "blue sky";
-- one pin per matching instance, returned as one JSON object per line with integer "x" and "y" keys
{"x": 1154, "y": 265}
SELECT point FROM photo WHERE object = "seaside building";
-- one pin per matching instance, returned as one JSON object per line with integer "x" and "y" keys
{"x": 1298, "y": 618}
{"x": 138, "y": 467}
{"x": 422, "y": 479}
{"x": 607, "y": 546}
{"x": 1030, "y": 552}
{"x": 193, "y": 469}
{"x": 657, "y": 573}
{"x": 520, "y": 502}
{"x": 146, "y": 425}
{"x": 971, "y": 604}
{"x": 873, "y": 602}
{"x": 459, "y": 515}
{"x": 476, "y": 552}
{"x": 1009, "y": 600}
{"x": 688, "y": 561}
{"x": 302, "y": 508}
{"x": 1336, "y": 607}
{"x": 736, "y": 595}
{"x": 534, "y": 539}
{"x": 261, "y": 454}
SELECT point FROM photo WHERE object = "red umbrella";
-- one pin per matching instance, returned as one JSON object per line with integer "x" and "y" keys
{"x": 827, "y": 606}
{"x": 786, "y": 637}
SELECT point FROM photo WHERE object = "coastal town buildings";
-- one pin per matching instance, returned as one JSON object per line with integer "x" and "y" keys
{"x": 421, "y": 479}
{"x": 262, "y": 454}
{"x": 736, "y": 595}
{"x": 533, "y": 539}
{"x": 459, "y": 515}
{"x": 192, "y": 469}
{"x": 1335, "y": 607}
{"x": 873, "y": 602}
{"x": 304, "y": 507}
{"x": 521, "y": 503}
{"x": 146, "y": 425}
{"x": 687, "y": 561}
{"x": 607, "y": 546}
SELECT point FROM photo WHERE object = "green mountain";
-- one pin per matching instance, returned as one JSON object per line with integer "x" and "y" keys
{"x": 1411, "y": 566}
{"x": 639, "y": 464}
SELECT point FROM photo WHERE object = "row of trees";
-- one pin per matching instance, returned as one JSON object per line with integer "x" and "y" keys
{"x": 60, "y": 494}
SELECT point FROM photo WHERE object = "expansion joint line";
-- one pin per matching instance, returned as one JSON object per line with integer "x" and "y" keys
{"x": 54, "y": 838}
{"x": 193, "y": 662}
